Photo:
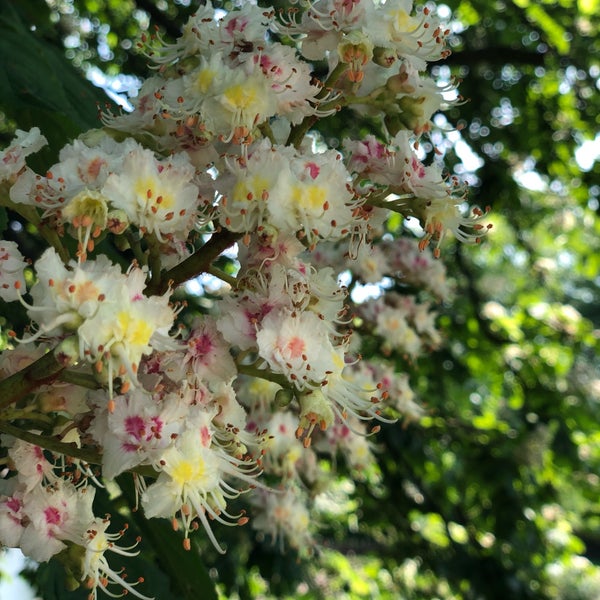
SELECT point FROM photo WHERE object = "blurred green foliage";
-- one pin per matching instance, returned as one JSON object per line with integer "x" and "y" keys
{"x": 494, "y": 494}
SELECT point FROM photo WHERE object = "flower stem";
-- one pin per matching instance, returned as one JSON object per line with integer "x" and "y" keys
{"x": 219, "y": 274}
{"x": 253, "y": 371}
{"x": 26, "y": 415}
{"x": 85, "y": 380}
{"x": 52, "y": 444}
{"x": 299, "y": 131}
{"x": 15, "y": 387}
{"x": 197, "y": 263}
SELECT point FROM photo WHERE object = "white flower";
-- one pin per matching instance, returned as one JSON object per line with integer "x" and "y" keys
{"x": 136, "y": 432}
{"x": 12, "y": 159}
{"x": 97, "y": 573}
{"x": 63, "y": 297}
{"x": 313, "y": 198}
{"x": 392, "y": 325}
{"x": 418, "y": 38}
{"x": 55, "y": 514}
{"x": 126, "y": 327}
{"x": 231, "y": 99}
{"x": 243, "y": 204}
{"x": 208, "y": 354}
{"x": 192, "y": 482}
{"x": 11, "y": 518}
{"x": 284, "y": 516}
{"x": 351, "y": 391}
{"x": 157, "y": 196}
{"x": 296, "y": 345}
{"x": 31, "y": 465}
{"x": 441, "y": 216}
{"x": 81, "y": 167}
{"x": 283, "y": 448}
{"x": 290, "y": 81}
{"x": 371, "y": 263}
{"x": 12, "y": 265}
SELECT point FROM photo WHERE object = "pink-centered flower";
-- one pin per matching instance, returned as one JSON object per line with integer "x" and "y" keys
{"x": 136, "y": 432}
{"x": 296, "y": 345}
{"x": 55, "y": 515}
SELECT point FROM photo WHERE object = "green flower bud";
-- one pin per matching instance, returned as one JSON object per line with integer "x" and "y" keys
{"x": 384, "y": 57}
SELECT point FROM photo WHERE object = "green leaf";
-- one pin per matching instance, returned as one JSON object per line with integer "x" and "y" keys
{"x": 39, "y": 86}
{"x": 188, "y": 574}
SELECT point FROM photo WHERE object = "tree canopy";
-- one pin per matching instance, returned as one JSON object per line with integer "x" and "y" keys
{"x": 491, "y": 489}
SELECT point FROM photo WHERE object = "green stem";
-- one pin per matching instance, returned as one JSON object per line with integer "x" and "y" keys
{"x": 87, "y": 455}
{"x": 197, "y": 263}
{"x": 135, "y": 246}
{"x": 81, "y": 379}
{"x": 44, "y": 370}
{"x": 265, "y": 129}
{"x": 253, "y": 371}
{"x": 52, "y": 444}
{"x": 379, "y": 199}
{"x": 299, "y": 131}
{"x": 337, "y": 72}
{"x": 219, "y": 274}
{"x": 26, "y": 415}
{"x": 154, "y": 261}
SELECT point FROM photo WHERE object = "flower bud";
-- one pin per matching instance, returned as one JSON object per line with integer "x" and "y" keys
{"x": 67, "y": 351}
{"x": 384, "y": 57}
{"x": 315, "y": 409}
{"x": 283, "y": 397}
{"x": 410, "y": 117}
{"x": 117, "y": 221}
{"x": 398, "y": 84}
